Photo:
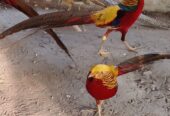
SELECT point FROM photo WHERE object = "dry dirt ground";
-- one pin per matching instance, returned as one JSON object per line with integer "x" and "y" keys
{"x": 38, "y": 79}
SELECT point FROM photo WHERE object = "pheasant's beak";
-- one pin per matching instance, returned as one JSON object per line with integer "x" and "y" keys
{"x": 90, "y": 76}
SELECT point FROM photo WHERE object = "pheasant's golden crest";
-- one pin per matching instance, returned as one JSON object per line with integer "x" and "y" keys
{"x": 108, "y": 74}
{"x": 105, "y": 16}
{"x": 129, "y": 2}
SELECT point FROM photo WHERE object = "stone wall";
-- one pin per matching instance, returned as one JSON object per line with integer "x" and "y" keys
{"x": 150, "y": 5}
{"x": 157, "y": 5}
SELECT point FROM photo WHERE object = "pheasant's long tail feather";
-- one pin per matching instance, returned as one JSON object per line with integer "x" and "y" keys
{"x": 137, "y": 62}
{"x": 59, "y": 42}
{"x": 23, "y": 7}
{"x": 49, "y": 20}
{"x": 30, "y": 12}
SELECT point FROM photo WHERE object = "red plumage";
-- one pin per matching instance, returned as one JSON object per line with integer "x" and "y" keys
{"x": 98, "y": 91}
{"x": 130, "y": 17}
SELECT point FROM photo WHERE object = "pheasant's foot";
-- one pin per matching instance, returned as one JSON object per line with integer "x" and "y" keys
{"x": 103, "y": 53}
{"x": 88, "y": 109}
{"x": 98, "y": 113}
{"x": 129, "y": 47}
{"x": 77, "y": 28}
{"x": 69, "y": 8}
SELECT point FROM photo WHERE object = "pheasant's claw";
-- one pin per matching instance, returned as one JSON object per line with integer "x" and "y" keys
{"x": 89, "y": 110}
{"x": 103, "y": 53}
{"x": 92, "y": 110}
{"x": 130, "y": 48}
{"x": 133, "y": 49}
{"x": 96, "y": 113}
{"x": 77, "y": 28}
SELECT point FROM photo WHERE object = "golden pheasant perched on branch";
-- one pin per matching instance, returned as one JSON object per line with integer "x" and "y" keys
{"x": 30, "y": 12}
{"x": 102, "y": 79}
{"x": 118, "y": 18}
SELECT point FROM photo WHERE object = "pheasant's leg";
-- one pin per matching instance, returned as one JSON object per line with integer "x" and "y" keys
{"x": 102, "y": 52}
{"x": 130, "y": 48}
{"x": 99, "y": 108}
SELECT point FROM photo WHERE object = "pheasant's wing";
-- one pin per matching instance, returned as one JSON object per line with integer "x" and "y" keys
{"x": 137, "y": 62}
{"x": 105, "y": 16}
{"x": 61, "y": 19}
{"x": 143, "y": 19}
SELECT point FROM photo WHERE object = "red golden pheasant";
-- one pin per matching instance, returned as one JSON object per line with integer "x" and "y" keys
{"x": 118, "y": 17}
{"x": 102, "y": 79}
{"x": 30, "y": 12}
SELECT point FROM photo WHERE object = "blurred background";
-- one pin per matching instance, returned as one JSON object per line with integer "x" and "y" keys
{"x": 150, "y": 5}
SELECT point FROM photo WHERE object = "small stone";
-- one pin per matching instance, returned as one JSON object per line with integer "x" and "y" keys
{"x": 35, "y": 5}
{"x": 159, "y": 97}
{"x": 130, "y": 101}
{"x": 166, "y": 100}
{"x": 140, "y": 86}
{"x": 148, "y": 90}
{"x": 124, "y": 54}
{"x": 36, "y": 54}
{"x": 138, "y": 80}
{"x": 143, "y": 82}
{"x": 153, "y": 88}
{"x": 72, "y": 66}
{"x": 49, "y": 110}
{"x": 51, "y": 97}
{"x": 46, "y": 8}
{"x": 34, "y": 62}
{"x": 36, "y": 102}
{"x": 68, "y": 96}
{"x": 168, "y": 108}
{"x": 147, "y": 73}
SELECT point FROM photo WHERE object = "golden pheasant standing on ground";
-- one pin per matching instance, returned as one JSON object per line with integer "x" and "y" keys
{"x": 117, "y": 17}
{"x": 30, "y": 12}
{"x": 102, "y": 79}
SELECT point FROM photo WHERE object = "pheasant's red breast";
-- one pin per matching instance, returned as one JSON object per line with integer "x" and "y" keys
{"x": 96, "y": 89}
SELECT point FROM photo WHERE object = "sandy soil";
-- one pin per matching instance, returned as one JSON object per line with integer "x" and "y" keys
{"x": 38, "y": 79}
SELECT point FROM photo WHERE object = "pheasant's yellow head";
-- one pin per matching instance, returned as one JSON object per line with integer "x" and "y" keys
{"x": 106, "y": 73}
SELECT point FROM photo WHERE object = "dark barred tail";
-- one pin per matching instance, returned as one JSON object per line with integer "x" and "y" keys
{"x": 137, "y": 62}
{"x": 50, "y": 20}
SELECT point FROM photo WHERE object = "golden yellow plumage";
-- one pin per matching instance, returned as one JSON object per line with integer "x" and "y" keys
{"x": 108, "y": 74}
{"x": 105, "y": 16}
